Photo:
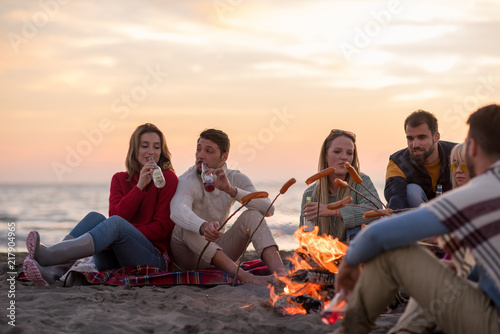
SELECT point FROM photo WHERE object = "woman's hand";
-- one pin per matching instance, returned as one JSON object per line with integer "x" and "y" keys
{"x": 145, "y": 175}
{"x": 310, "y": 211}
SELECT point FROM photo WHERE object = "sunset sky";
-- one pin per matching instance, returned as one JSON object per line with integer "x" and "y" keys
{"x": 77, "y": 77}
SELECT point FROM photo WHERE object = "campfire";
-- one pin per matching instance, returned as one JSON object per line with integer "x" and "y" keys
{"x": 310, "y": 284}
{"x": 309, "y": 287}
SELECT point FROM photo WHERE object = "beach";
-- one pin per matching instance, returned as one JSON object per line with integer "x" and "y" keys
{"x": 152, "y": 309}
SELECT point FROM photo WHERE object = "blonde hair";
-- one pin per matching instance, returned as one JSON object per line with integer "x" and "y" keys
{"x": 456, "y": 154}
{"x": 325, "y": 227}
{"x": 132, "y": 164}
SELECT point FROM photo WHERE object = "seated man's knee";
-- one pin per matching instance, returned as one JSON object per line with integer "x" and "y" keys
{"x": 249, "y": 218}
{"x": 415, "y": 195}
{"x": 251, "y": 215}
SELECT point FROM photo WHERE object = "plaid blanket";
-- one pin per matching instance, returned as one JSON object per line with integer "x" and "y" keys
{"x": 148, "y": 275}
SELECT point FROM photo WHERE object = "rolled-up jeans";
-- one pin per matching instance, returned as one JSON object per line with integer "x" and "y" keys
{"x": 117, "y": 243}
{"x": 187, "y": 245}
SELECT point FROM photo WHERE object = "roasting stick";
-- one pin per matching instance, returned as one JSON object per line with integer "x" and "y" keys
{"x": 343, "y": 184}
{"x": 389, "y": 212}
{"x": 347, "y": 202}
{"x": 383, "y": 212}
{"x": 355, "y": 176}
{"x": 283, "y": 190}
{"x": 317, "y": 176}
{"x": 244, "y": 201}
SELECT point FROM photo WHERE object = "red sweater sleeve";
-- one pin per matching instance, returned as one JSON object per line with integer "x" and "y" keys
{"x": 124, "y": 197}
{"x": 161, "y": 226}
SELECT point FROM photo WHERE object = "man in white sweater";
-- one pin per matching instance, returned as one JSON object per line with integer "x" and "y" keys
{"x": 198, "y": 214}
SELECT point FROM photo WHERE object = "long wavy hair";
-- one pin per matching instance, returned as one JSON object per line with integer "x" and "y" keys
{"x": 132, "y": 164}
{"x": 324, "y": 183}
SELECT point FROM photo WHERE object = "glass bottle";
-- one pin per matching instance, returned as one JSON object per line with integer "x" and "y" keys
{"x": 336, "y": 309}
{"x": 207, "y": 178}
{"x": 308, "y": 223}
{"x": 439, "y": 190}
{"x": 158, "y": 178}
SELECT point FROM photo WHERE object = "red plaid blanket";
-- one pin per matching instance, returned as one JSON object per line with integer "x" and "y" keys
{"x": 147, "y": 275}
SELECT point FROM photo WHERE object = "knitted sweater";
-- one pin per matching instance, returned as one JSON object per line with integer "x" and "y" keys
{"x": 192, "y": 205}
{"x": 148, "y": 210}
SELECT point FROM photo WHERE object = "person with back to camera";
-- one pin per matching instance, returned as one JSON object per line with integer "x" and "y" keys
{"x": 414, "y": 173}
{"x": 385, "y": 255}
{"x": 198, "y": 214}
{"x": 139, "y": 228}
{"x": 337, "y": 149}
{"x": 414, "y": 320}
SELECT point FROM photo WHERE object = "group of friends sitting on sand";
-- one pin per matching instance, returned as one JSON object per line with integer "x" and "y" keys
{"x": 180, "y": 226}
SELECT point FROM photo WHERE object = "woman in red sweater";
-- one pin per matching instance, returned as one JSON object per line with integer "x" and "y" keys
{"x": 139, "y": 228}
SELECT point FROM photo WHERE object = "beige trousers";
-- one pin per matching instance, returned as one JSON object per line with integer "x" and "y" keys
{"x": 450, "y": 301}
{"x": 187, "y": 245}
{"x": 414, "y": 320}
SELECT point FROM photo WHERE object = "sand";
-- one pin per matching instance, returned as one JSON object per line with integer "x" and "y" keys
{"x": 151, "y": 309}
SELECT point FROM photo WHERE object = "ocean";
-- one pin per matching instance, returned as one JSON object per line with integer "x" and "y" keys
{"x": 53, "y": 210}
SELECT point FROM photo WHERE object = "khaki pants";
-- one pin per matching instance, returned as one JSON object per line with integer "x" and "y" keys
{"x": 454, "y": 305}
{"x": 414, "y": 320}
{"x": 187, "y": 245}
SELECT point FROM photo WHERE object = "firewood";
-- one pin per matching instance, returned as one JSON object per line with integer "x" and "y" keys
{"x": 321, "y": 277}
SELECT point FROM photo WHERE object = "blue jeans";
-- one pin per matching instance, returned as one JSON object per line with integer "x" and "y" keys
{"x": 351, "y": 233}
{"x": 117, "y": 243}
{"x": 415, "y": 196}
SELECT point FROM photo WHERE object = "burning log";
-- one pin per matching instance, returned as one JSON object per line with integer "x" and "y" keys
{"x": 310, "y": 304}
{"x": 289, "y": 305}
{"x": 320, "y": 277}
{"x": 304, "y": 255}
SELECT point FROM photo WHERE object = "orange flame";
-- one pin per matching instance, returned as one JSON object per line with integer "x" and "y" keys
{"x": 325, "y": 251}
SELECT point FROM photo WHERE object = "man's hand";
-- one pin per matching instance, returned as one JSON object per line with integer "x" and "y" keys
{"x": 210, "y": 231}
{"x": 222, "y": 183}
{"x": 347, "y": 277}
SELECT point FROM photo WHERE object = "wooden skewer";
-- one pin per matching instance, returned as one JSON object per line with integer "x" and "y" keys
{"x": 354, "y": 174}
{"x": 283, "y": 189}
{"x": 317, "y": 176}
{"x": 244, "y": 201}
{"x": 377, "y": 213}
{"x": 343, "y": 184}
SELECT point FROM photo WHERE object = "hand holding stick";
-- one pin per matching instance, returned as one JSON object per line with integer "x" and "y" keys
{"x": 317, "y": 176}
{"x": 283, "y": 190}
{"x": 244, "y": 201}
